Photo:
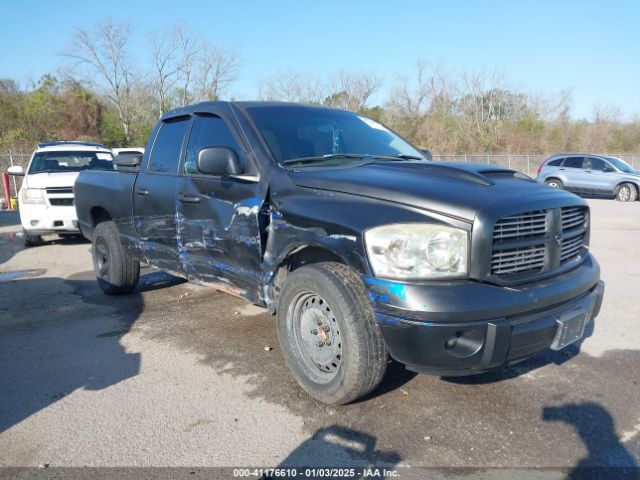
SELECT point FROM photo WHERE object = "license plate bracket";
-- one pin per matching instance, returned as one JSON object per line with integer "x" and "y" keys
{"x": 572, "y": 323}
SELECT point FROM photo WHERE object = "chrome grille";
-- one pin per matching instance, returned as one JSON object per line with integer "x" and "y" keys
{"x": 61, "y": 202}
{"x": 524, "y": 225}
{"x": 58, "y": 190}
{"x": 572, "y": 217}
{"x": 570, "y": 248}
{"x": 538, "y": 241}
{"x": 518, "y": 260}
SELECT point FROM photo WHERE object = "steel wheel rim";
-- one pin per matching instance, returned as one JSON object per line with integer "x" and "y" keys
{"x": 316, "y": 334}
{"x": 102, "y": 260}
{"x": 553, "y": 184}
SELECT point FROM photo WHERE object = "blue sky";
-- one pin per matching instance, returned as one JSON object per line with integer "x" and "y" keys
{"x": 592, "y": 48}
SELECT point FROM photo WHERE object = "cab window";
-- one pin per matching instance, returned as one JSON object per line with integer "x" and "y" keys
{"x": 207, "y": 131}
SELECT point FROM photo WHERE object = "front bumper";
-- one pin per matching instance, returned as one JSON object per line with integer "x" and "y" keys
{"x": 467, "y": 327}
{"x": 41, "y": 219}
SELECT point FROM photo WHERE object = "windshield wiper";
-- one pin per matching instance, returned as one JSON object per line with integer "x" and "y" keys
{"x": 321, "y": 158}
{"x": 404, "y": 156}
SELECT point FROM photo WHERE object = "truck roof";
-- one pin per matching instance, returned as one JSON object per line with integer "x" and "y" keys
{"x": 204, "y": 106}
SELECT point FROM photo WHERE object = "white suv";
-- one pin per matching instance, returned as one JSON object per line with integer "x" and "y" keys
{"x": 46, "y": 195}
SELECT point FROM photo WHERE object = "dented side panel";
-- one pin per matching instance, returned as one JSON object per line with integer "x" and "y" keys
{"x": 218, "y": 238}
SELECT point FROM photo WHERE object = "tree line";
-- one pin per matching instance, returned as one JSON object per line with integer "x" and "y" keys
{"x": 102, "y": 93}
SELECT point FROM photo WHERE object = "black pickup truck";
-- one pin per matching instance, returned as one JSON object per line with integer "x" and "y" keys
{"x": 360, "y": 245}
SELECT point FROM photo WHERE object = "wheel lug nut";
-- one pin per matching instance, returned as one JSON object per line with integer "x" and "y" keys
{"x": 328, "y": 343}
{"x": 327, "y": 329}
{"x": 320, "y": 344}
{"x": 314, "y": 331}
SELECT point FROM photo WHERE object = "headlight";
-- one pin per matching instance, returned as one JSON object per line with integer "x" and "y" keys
{"x": 416, "y": 250}
{"x": 32, "y": 195}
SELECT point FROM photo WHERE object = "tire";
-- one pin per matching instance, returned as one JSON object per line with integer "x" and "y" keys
{"x": 31, "y": 239}
{"x": 353, "y": 359}
{"x": 117, "y": 272}
{"x": 554, "y": 183}
{"x": 626, "y": 192}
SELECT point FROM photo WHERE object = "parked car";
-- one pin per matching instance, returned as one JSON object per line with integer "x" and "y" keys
{"x": 591, "y": 174}
{"x": 128, "y": 150}
{"x": 361, "y": 246}
{"x": 46, "y": 196}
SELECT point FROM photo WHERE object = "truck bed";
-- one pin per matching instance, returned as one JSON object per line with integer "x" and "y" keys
{"x": 109, "y": 190}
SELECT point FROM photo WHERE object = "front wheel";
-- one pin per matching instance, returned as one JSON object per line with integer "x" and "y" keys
{"x": 328, "y": 333}
{"x": 626, "y": 193}
{"x": 117, "y": 272}
{"x": 31, "y": 239}
{"x": 553, "y": 183}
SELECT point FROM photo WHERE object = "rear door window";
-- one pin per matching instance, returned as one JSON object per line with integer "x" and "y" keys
{"x": 167, "y": 148}
{"x": 574, "y": 162}
{"x": 594, "y": 164}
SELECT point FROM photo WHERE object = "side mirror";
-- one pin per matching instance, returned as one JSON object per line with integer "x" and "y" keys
{"x": 608, "y": 169}
{"x": 427, "y": 153}
{"x": 129, "y": 160}
{"x": 219, "y": 161}
{"x": 16, "y": 170}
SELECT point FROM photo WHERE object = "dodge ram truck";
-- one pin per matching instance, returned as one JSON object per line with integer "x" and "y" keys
{"x": 359, "y": 245}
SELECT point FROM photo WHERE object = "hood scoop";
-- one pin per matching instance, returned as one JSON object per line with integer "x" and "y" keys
{"x": 453, "y": 172}
{"x": 504, "y": 173}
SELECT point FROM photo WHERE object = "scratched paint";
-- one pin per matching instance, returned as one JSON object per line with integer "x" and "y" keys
{"x": 386, "y": 287}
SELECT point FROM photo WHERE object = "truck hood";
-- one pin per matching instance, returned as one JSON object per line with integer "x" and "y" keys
{"x": 458, "y": 190}
{"x": 48, "y": 180}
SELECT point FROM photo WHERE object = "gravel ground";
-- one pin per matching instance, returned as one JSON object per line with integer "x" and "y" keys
{"x": 179, "y": 375}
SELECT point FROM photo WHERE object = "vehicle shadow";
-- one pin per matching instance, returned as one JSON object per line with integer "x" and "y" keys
{"x": 395, "y": 377}
{"x": 339, "y": 447}
{"x": 52, "y": 343}
{"x": 607, "y": 457}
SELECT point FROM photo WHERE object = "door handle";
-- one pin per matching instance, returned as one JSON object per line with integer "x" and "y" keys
{"x": 587, "y": 171}
{"x": 143, "y": 192}
{"x": 562, "y": 169}
{"x": 189, "y": 199}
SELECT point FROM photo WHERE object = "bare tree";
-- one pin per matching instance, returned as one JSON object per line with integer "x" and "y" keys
{"x": 431, "y": 91}
{"x": 188, "y": 69}
{"x": 101, "y": 58}
{"x": 347, "y": 90}
{"x": 352, "y": 91}
{"x": 217, "y": 68}
{"x": 164, "y": 50}
{"x": 293, "y": 86}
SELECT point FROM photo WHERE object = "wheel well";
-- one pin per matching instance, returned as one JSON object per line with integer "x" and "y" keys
{"x": 615, "y": 190}
{"x": 552, "y": 178}
{"x": 299, "y": 257}
{"x": 99, "y": 215}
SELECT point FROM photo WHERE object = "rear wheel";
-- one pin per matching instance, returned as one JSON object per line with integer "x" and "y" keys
{"x": 31, "y": 239}
{"x": 328, "y": 333}
{"x": 553, "y": 183}
{"x": 626, "y": 193}
{"x": 117, "y": 272}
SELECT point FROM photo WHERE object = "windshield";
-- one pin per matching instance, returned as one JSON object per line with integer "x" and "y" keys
{"x": 307, "y": 132}
{"x": 70, "y": 162}
{"x": 621, "y": 165}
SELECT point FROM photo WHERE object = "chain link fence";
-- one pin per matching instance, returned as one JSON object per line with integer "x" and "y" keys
{"x": 525, "y": 163}
{"x": 9, "y": 159}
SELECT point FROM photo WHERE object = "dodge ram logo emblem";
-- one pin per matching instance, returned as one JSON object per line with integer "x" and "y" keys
{"x": 558, "y": 239}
